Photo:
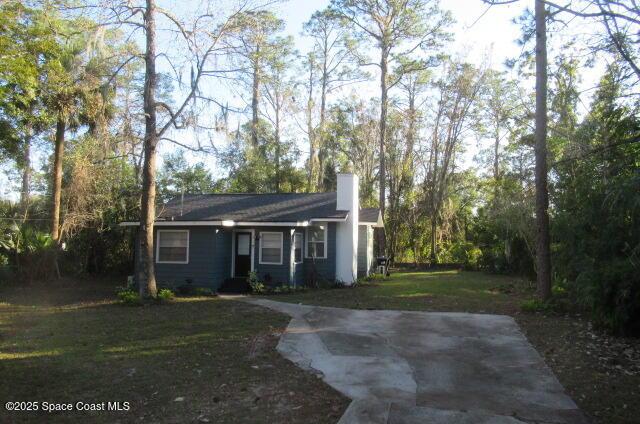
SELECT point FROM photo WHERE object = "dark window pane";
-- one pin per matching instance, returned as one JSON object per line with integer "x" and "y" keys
{"x": 298, "y": 254}
{"x": 316, "y": 250}
{"x": 172, "y": 254}
{"x": 270, "y": 255}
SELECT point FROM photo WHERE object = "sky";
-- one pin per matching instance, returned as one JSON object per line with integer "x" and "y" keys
{"x": 473, "y": 30}
{"x": 482, "y": 34}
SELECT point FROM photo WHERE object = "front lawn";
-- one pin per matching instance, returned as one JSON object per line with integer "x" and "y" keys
{"x": 422, "y": 291}
{"x": 601, "y": 373}
{"x": 196, "y": 360}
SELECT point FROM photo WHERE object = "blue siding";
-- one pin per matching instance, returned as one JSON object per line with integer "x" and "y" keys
{"x": 209, "y": 259}
{"x": 210, "y": 255}
{"x": 362, "y": 250}
{"x": 325, "y": 269}
{"x": 274, "y": 274}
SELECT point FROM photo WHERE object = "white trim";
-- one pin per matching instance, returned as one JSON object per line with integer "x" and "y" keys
{"x": 158, "y": 261}
{"x": 329, "y": 219}
{"x": 293, "y": 243}
{"x": 174, "y": 223}
{"x": 369, "y": 249}
{"x": 274, "y": 224}
{"x": 260, "y": 261}
{"x": 372, "y": 224}
{"x": 220, "y": 223}
{"x": 307, "y": 239}
{"x": 233, "y": 249}
{"x": 292, "y": 265}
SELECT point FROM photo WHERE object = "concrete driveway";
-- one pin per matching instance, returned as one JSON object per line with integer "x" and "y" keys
{"x": 419, "y": 367}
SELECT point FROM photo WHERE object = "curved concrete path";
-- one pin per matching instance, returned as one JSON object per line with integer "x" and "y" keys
{"x": 419, "y": 367}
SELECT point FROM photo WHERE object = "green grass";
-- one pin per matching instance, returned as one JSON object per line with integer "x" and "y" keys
{"x": 69, "y": 344}
{"x": 74, "y": 342}
{"x": 436, "y": 291}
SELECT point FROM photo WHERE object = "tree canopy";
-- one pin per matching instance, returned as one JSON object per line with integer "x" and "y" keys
{"x": 96, "y": 97}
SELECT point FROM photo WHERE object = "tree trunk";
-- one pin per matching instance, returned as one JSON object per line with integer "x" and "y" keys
{"x": 411, "y": 131}
{"x": 25, "y": 191}
{"x": 148, "y": 207}
{"x": 57, "y": 179}
{"x": 496, "y": 166}
{"x": 383, "y": 129}
{"x": 255, "y": 99}
{"x": 496, "y": 159}
{"x": 320, "y": 140}
{"x": 434, "y": 228}
{"x": 313, "y": 177}
{"x": 434, "y": 188}
{"x": 543, "y": 254}
{"x": 277, "y": 140}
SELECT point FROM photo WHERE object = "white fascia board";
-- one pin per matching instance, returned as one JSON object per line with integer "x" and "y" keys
{"x": 173, "y": 223}
{"x": 273, "y": 224}
{"x": 373, "y": 224}
{"x": 329, "y": 219}
{"x": 225, "y": 223}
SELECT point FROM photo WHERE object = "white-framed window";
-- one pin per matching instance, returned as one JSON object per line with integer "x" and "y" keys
{"x": 297, "y": 248}
{"x": 317, "y": 242}
{"x": 172, "y": 247}
{"x": 271, "y": 248}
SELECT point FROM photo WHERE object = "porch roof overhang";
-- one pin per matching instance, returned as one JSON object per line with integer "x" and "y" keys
{"x": 378, "y": 223}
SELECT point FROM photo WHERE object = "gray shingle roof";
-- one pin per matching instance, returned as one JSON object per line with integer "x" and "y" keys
{"x": 280, "y": 207}
{"x": 369, "y": 214}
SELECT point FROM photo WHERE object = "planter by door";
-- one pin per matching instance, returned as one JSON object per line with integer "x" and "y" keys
{"x": 243, "y": 254}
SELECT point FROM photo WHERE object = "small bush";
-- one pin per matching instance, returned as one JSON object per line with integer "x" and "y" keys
{"x": 165, "y": 295}
{"x": 256, "y": 285}
{"x": 558, "y": 291}
{"x": 613, "y": 296}
{"x": 258, "y": 288}
{"x": 28, "y": 252}
{"x": 129, "y": 297}
{"x": 466, "y": 253}
{"x": 534, "y": 305}
{"x": 285, "y": 288}
{"x": 555, "y": 304}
